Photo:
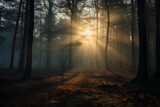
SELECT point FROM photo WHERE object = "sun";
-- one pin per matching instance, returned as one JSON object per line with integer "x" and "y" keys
{"x": 88, "y": 32}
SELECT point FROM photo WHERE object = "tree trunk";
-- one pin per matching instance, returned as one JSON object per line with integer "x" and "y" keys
{"x": 40, "y": 39}
{"x": 157, "y": 74}
{"x": 28, "y": 67}
{"x": 22, "y": 59}
{"x": 49, "y": 33}
{"x": 132, "y": 34}
{"x": 97, "y": 17}
{"x": 107, "y": 35}
{"x": 0, "y": 18}
{"x": 40, "y": 43}
{"x": 14, "y": 36}
{"x": 72, "y": 7}
{"x": 142, "y": 75}
{"x": 20, "y": 43}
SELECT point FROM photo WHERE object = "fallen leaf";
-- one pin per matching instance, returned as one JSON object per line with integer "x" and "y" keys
{"x": 125, "y": 99}
{"x": 141, "y": 95}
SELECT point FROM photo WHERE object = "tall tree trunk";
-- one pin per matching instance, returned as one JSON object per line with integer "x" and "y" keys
{"x": 132, "y": 34}
{"x": 14, "y": 36}
{"x": 40, "y": 38}
{"x": 20, "y": 43}
{"x": 0, "y": 18}
{"x": 48, "y": 53}
{"x": 70, "y": 48}
{"x": 49, "y": 32}
{"x": 157, "y": 74}
{"x": 107, "y": 35}
{"x": 28, "y": 67}
{"x": 72, "y": 7}
{"x": 97, "y": 17}
{"x": 40, "y": 43}
{"x": 22, "y": 59}
{"x": 142, "y": 75}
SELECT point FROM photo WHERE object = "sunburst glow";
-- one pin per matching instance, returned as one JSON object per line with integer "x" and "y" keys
{"x": 88, "y": 32}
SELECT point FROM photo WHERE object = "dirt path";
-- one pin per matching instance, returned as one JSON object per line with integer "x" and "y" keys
{"x": 81, "y": 88}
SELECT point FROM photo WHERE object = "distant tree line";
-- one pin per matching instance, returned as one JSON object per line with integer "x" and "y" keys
{"x": 23, "y": 17}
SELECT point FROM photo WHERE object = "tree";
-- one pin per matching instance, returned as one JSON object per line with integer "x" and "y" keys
{"x": 108, "y": 25}
{"x": 157, "y": 4}
{"x": 72, "y": 8}
{"x": 132, "y": 33}
{"x": 28, "y": 67}
{"x": 23, "y": 47}
{"x": 142, "y": 75}
{"x": 1, "y": 17}
{"x": 50, "y": 22}
{"x": 71, "y": 5}
{"x": 14, "y": 36}
{"x": 96, "y": 3}
{"x": 40, "y": 35}
{"x": 21, "y": 37}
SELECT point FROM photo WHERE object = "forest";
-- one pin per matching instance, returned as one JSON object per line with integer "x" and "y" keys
{"x": 79, "y": 53}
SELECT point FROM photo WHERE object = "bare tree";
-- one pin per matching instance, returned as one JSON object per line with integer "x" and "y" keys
{"x": 28, "y": 67}
{"x": 132, "y": 33}
{"x": 142, "y": 75}
{"x": 157, "y": 74}
{"x": 15, "y": 35}
{"x": 22, "y": 59}
{"x": 108, "y": 25}
{"x": 49, "y": 31}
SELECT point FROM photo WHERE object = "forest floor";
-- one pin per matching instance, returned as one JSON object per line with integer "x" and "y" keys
{"x": 80, "y": 88}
